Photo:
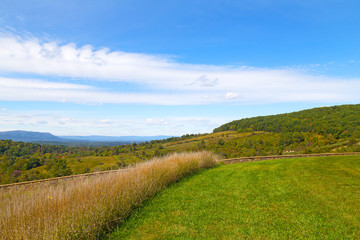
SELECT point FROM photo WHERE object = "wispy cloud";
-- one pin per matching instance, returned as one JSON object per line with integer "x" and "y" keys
{"x": 162, "y": 81}
{"x": 38, "y": 90}
{"x": 63, "y": 123}
{"x": 155, "y": 121}
{"x": 38, "y": 84}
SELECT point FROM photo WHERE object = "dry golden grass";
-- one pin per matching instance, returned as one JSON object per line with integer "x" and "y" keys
{"x": 85, "y": 208}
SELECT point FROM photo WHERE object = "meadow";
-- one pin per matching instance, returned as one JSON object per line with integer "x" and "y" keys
{"x": 87, "y": 208}
{"x": 300, "y": 198}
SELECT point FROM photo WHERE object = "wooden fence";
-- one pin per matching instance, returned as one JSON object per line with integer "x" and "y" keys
{"x": 261, "y": 158}
{"x": 226, "y": 161}
{"x": 58, "y": 179}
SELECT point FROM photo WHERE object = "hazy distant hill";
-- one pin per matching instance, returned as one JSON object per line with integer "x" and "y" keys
{"x": 26, "y": 136}
{"x": 99, "y": 138}
{"x": 43, "y": 137}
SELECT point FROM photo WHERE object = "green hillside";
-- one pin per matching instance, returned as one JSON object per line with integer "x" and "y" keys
{"x": 308, "y": 198}
{"x": 339, "y": 121}
{"x": 319, "y": 130}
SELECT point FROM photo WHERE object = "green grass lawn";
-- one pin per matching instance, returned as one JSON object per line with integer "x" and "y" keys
{"x": 303, "y": 198}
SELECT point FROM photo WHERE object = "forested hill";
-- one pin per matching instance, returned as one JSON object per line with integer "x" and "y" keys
{"x": 340, "y": 121}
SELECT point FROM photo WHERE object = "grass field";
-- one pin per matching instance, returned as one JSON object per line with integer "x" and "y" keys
{"x": 99, "y": 163}
{"x": 307, "y": 198}
{"x": 79, "y": 165}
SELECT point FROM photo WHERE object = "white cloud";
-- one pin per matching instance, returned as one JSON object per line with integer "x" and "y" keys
{"x": 37, "y": 84}
{"x": 52, "y": 120}
{"x": 38, "y": 90}
{"x": 232, "y": 95}
{"x": 204, "y": 81}
{"x": 155, "y": 121}
{"x": 65, "y": 123}
{"x": 164, "y": 81}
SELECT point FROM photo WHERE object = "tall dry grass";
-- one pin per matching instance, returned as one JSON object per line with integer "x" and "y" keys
{"x": 86, "y": 208}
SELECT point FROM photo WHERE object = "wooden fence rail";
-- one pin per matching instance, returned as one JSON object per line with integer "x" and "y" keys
{"x": 225, "y": 161}
{"x": 58, "y": 179}
{"x": 261, "y": 158}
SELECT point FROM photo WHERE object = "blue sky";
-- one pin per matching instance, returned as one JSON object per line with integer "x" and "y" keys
{"x": 171, "y": 67}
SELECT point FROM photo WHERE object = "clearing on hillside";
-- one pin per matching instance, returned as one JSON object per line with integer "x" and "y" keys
{"x": 307, "y": 198}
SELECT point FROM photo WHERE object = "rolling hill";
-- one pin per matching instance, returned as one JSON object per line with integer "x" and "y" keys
{"x": 339, "y": 121}
{"x": 332, "y": 129}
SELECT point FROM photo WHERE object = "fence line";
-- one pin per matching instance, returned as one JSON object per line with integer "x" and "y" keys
{"x": 225, "y": 161}
{"x": 57, "y": 179}
{"x": 261, "y": 158}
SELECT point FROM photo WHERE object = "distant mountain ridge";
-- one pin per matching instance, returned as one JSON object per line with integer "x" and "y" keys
{"x": 29, "y": 136}
{"x": 99, "y": 138}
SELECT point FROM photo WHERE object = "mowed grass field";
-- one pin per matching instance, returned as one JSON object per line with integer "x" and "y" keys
{"x": 302, "y": 198}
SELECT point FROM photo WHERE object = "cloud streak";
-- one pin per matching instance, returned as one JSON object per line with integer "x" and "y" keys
{"x": 162, "y": 81}
{"x": 43, "y": 91}
{"x": 66, "y": 124}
